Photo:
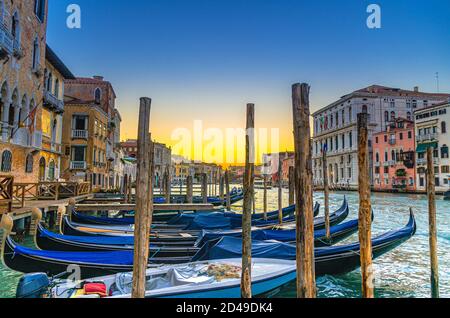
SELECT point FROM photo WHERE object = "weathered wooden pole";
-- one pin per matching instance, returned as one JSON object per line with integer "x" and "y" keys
{"x": 144, "y": 204}
{"x": 70, "y": 208}
{"x": 280, "y": 192}
{"x": 189, "y": 190}
{"x": 222, "y": 187}
{"x": 205, "y": 188}
{"x": 265, "y": 197}
{"x": 125, "y": 189}
{"x": 227, "y": 189}
{"x": 365, "y": 208}
{"x": 306, "y": 279}
{"x": 326, "y": 192}
{"x": 246, "y": 277}
{"x": 291, "y": 186}
{"x": 130, "y": 189}
{"x": 168, "y": 185}
{"x": 432, "y": 224}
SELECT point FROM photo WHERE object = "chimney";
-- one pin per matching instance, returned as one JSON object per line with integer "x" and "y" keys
{"x": 416, "y": 89}
{"x": 100, "y": 78}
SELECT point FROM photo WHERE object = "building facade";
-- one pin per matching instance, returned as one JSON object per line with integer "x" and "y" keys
{"x": 130, "y": 148}
{"x": 431, "y": 126}
{"x": 394, "y": 157}
{"x": 89, "y": 132}
{"x": 336, "y": 126}
{"x": 23, "y": 27}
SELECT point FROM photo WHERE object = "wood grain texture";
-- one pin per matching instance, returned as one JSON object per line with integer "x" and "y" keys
{"x": 306, "y": 278}
{"x": 365, "y": 207}
{"x": 189, "y": 190}
{"x": 432, "y": 224}
{"x": 249, "y": 175}
{"x": 143, "y": 196}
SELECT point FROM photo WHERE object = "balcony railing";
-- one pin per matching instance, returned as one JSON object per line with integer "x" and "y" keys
{"x": 427, "y": 137}
{"x": 80, "y": 134}
{"x": 53, "y": 102}
{"x": 392, "y": 141}
{"x": 6, "y": 41}
{"x": 423, "y": 162}
{"x": 78, "y": 165}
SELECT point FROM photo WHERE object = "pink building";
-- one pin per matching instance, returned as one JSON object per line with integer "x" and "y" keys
{"x": 394, "y": 157}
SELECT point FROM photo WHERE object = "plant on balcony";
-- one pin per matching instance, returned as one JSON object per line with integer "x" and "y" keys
{"x": 400, "y": 173}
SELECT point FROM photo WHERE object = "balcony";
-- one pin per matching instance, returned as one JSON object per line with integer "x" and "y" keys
{"x": 80, "y": 134}
{"x": 78, "y": 165}
{"x": 423, "y": 162}
{"x": 52, "y": 102}
{"x": 392, "y": 142}
{"x": 427, "y": 137}
{"x": 376, "y": 164}
{"x": 6, "y": 42}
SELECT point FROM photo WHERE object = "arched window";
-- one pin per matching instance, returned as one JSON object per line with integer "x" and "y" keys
{"x": 6, "y": 161}
{"x": 15, "y": 27}
{"x": 42, "y": 169}
{"x": 29, "y": 164}
{"x": 57, "y": 88}
{"x": 364, "y": 109}
{"x": 36, "y": 54}
{"x": 393, "y": 155}
{"x": 444, "y": 152}
{"x": 98, "y": 95}
{"x": 377, "y": 156}
{"x": 51, "y": 171}
{"x": 386, "y": 116}
{"x": 392, "y": 116}
{"x": 350, "y": 114}
{"x": 49, "y": 83}
{"x": 443, "y": 127}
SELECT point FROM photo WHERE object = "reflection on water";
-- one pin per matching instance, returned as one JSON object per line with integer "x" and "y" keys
{"x": 403, "y": 272}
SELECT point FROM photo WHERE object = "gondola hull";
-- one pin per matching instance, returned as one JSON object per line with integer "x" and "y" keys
{"x": 329, "y": 260}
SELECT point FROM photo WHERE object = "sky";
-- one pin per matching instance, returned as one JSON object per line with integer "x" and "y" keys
{"x": 205, "y": 60}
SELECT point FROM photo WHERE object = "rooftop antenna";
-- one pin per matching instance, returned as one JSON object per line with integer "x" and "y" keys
{"x": 437, "y": 81}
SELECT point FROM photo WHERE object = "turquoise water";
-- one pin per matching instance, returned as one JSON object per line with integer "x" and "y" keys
{"x": 403, "y": 272}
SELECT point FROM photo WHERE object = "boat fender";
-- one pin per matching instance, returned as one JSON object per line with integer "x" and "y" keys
{"x": 34, "y": 285}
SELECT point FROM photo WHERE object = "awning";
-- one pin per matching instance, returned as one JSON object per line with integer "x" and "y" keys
{"x": 424, "y": 147}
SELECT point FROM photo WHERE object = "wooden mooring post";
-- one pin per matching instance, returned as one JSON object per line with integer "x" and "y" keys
{"x": 125, "y": 188}
{"x": 306, "y": 279}
{"x": 291, "y": 186}
{"x": 365, "y": 208}
{"x": 205, "y": 188}
{"x": 326, "y": 192}
{"x": 432, "y": 224}
{"x": 144, "y": 201}
{"x": 265, "y": 197}
{"x": 189, "y": 189}
{"x": 246, "y": 277}
{"x": 280, "y": 191}
{"x": 227, "y": 189}
{"x": 222, "y": 187}
{"x": 168, "y": 185}
{"x": 130, "y": 189}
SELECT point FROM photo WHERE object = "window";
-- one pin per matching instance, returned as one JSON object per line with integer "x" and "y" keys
{"x": 409, "y": 135}
{"x": 15, "y": 27}
{"x": 386, "y": 170}
{"x": 51, "y": 171}
{"x": 422, "y": 182}
{"x": 98, "y": 95}
{"x": 39, "y": 9}
{"x": 445, "y": 169}
{"x": 386, "y": 116}
{"x": 42, "y": 165}
{"x": 29, "y": 164}
{"x": 408, "y": 116}
{"x": 392, "y": 116}
{"x": 343, "y": 117}
{"x": 377, "y": 157}
{"x": 56, "y": 88}
{"x": 392, "y": 103}
{"x": 401, "y": 136}
{"x": 350, "y": 114}
{"x": 444, "y": 152}
{"x": 350, "y": 138}
{"x": 386, "y": 156}
{"x": 377, "y": 170}
{"x": 36, "y": 54}
{"x": 343, "y": 141}
{"x": 6, "y": 161}
{"x": 49, "y": 83}
{"x": 443, "y": 127}
{"x": 364, "y": 109}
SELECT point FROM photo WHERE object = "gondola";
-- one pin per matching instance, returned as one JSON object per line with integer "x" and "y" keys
{"x": 212, "y": 221}
{"x": 329, "y": 260}
{"x": 193, "y": 280}
{"x": 87, "y": 219}
{"x": 333, "y": 260}
{"x": 46, "y": 240}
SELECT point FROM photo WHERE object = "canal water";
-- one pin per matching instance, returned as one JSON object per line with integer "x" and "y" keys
{"x": 403, "y": 272}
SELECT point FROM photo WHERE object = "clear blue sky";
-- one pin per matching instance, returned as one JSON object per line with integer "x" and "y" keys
{"x": 204, "y": 59}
